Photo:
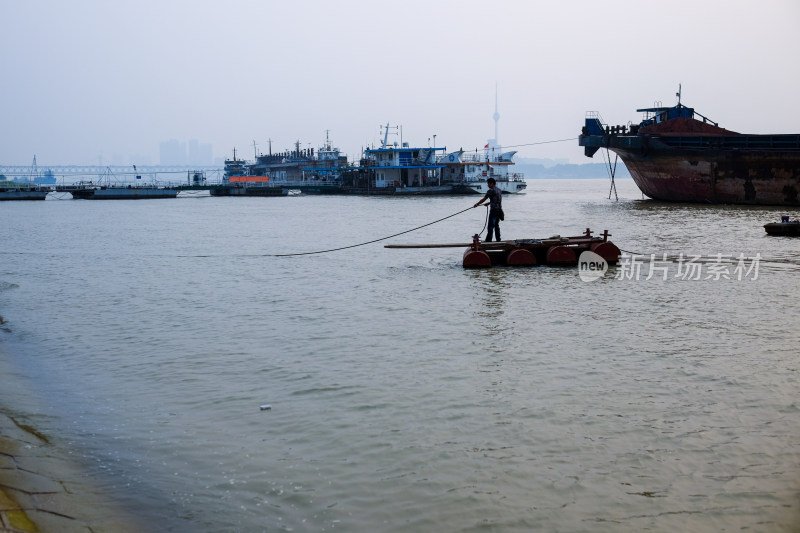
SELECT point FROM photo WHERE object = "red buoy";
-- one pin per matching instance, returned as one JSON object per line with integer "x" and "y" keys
{"x": 607, "y": 250}
{"x": 520, "y": 257}
{"x": 561, "y": 256}
{"x": 476, "y": 259}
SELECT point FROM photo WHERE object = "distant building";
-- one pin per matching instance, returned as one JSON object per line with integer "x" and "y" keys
{"x": 172, "y": 152}
{"x": 200, "y": 154}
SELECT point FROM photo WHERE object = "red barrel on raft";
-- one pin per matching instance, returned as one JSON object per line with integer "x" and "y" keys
{"x": 476, "y": 259}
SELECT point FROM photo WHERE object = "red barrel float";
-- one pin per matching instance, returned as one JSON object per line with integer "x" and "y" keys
{"x": 561, "y": 256}
{"x": 607, "y": 250}
{"x": 520, "y": 257}
{"x": 476, "y": 259}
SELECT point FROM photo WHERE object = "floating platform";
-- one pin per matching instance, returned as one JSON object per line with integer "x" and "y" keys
{"x": 23, "y": 193}
{"x": 552, "y": 251}
{"x": 122, "y": 193}
{"x": 239, "y": 190}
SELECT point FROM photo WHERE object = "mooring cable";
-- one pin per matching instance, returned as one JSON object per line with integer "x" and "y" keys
{"x": 536, "y": 143}
{"x": 374, "y": 240}
{"x": 633, "y": 253}
{"x": 485, "y": 222}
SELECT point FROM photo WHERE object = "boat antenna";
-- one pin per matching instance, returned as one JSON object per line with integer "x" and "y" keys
{"x": 385, "y": 132}
{"x": 678, "y": 94}
{"x": 255, "y": 150}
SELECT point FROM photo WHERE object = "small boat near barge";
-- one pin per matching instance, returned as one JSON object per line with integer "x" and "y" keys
{"x": 784, "y": 228}
{"x": 551, "y": 251}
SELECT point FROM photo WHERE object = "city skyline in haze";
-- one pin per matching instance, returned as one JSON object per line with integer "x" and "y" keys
{"x": 90, "y": 81}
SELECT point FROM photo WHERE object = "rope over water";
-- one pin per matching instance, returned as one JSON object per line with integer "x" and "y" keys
{"x": 374, "y": 240}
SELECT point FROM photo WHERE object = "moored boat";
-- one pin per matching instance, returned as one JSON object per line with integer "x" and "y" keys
{"x": 247, "y": 187}
{"x": 28, "y": 192}
{"x": 468, "y": 172}
{"x": 128, "y": 192}
{"x": 678, "y": 155}
{"x": 305, "y": 170}
{"x": 238, "y": 180}
{"x": 398, "y": 169}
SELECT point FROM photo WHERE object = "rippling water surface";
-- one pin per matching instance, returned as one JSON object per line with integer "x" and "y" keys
{"x": 406, "y": 393}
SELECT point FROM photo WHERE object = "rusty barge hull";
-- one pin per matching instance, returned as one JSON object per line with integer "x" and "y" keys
{"x": 677, "y": 155}
{"x": 716, "y": 176}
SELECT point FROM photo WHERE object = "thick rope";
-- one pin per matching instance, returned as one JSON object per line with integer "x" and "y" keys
{"x": 485, "y": 222}
{"x": 375, "y": 240}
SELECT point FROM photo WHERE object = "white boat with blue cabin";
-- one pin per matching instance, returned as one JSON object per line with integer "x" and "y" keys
{"x": 467, "y": 172}
{"x": 398, "y": 168}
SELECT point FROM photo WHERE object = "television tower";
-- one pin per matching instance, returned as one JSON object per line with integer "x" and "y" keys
{"x": 496, "y": 115}
{"x": 494, "y": 143}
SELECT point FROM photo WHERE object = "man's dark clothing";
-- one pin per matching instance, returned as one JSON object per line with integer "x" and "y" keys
{"x": 495, "y": 208}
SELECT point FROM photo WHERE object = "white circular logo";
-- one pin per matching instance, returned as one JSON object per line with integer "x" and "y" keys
{"x": 591, "y": 266}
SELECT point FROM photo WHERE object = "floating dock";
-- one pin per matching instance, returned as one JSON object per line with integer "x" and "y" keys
{"x": 122, "y": 193}
{"x": 552, "y": 251}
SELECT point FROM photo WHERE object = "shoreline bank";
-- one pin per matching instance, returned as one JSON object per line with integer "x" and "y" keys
{"x": 42, "y": 490}
{"x": 31, "y": 498}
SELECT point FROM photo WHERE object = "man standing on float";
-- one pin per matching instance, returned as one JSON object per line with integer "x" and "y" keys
{"x": 495, "y": 210}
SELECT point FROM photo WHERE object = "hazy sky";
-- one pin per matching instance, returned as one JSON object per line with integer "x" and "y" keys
{"x": 85, "y": 81}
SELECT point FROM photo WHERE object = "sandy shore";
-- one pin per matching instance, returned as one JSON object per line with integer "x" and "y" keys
{"x": 43, "y": 490}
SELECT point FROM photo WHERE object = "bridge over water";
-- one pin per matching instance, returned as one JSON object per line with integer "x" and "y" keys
{"x": 176, "y": 173}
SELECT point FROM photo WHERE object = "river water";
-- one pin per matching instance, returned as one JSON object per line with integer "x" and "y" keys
{"x": 406, "y": 393}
